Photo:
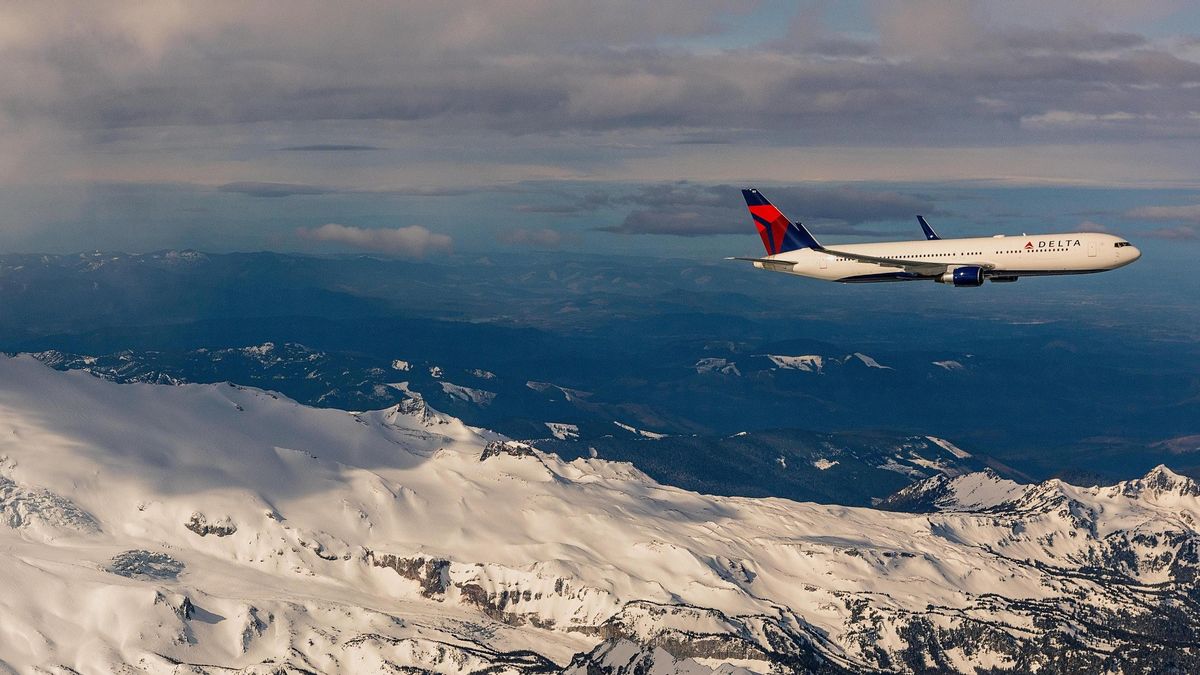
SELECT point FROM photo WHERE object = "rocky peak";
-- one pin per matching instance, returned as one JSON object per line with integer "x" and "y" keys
{"x": 966, "y": 492}
{"x": 514, "y": 448}
{"x": 927, "y": 496}
{"x": 1160, "y": 481}
{"x": 415, "y": 406}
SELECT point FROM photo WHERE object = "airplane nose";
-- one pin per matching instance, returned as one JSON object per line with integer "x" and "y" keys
{"x": 1134, "y": 253}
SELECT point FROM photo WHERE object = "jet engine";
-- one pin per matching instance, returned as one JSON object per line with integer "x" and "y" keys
{"x": 963, "y": 276}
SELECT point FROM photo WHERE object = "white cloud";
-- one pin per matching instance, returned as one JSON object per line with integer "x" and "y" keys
{"x": 1189, "y": 213}
{"x": 413, "y": 241}
{"x": 1186, "y": 215}
{"x": 1180, "y": 233}
{"x": 1092, "y": 226}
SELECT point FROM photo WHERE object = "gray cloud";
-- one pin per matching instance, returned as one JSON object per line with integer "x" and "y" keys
{"x": 533, "y": 237}
{"x": 569, "y": 203}
{"x": 1070, "y": 40}
{"x": 593, "y": 66}
{"x": 414, "y": 241}
{"x": 272, "y": 190}
{"x": 695, "y": 221}
{"x": 553, "y": 209}
{"x": 463, "y": 94}
{"x": 277, "y": 190}
{"x": 331, "y": 147}
{"x": 705, "y": 139}
{"x": 689, "y": 210}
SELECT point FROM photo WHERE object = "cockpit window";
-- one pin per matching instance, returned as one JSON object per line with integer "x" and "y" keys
{"x": 1122, "y": 244}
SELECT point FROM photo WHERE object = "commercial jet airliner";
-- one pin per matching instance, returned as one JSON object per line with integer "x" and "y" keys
{"x": 791, "y": 248}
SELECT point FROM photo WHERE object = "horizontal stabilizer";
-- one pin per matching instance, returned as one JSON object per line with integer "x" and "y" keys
{"x": 773, "y": 264}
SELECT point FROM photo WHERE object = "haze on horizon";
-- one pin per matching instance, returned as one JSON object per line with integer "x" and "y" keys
{"x": 458, "y": 126}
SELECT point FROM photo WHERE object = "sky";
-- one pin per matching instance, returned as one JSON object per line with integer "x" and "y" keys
{"x": 419, "y": 129}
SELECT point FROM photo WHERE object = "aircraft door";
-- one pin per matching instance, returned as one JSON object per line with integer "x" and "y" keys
{"x": 824, "y": 262}
{"x": 1091, "y": 249}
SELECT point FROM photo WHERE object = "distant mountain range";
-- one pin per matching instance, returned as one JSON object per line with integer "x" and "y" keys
{"x": 851, "y": 468}
{"x": 219, "y": 528}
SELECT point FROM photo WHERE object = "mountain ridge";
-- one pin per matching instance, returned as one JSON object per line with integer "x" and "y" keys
{"x": 333, "y": 541}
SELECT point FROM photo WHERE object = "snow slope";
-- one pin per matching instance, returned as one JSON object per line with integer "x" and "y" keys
{"x": 867, "y": 361}
{"x": 809, "y": 362}
{"x": 143, "y": 527}
{"x": 468, "y": 394}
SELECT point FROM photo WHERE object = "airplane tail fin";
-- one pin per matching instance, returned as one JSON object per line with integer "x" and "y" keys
{"x": 929, "y": 233}
{"x": 779, "y": 235}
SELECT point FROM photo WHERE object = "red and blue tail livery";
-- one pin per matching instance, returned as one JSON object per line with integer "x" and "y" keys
{"x": 779, "y": 235}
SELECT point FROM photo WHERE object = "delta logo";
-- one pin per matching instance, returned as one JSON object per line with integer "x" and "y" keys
{"x": 1054, "y": 243}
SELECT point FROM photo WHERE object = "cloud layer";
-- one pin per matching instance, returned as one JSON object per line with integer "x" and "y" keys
{"x": 941, "y": 72}
{"x": 1187, "y": 213}
{"x": 412, "y": 241}
{"x": 700, "y": 210}
{"x": 1186, "y": 219}
{"x": 534, "y": 237}
{"x": 319, "y": 102}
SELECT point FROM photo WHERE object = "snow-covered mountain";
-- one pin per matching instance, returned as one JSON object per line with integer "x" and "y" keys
{"x": 215, "y": 528}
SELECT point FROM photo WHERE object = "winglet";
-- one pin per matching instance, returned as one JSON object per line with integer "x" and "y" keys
{"x": 779, "y": 235}
{"x": 929, "y": 233}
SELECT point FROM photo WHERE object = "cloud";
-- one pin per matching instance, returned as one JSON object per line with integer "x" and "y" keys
{"x": 277, "y": 190}
{"x": 533, "y": 237}
{"x": 1071, "y": 40}
{"x": 331, "y": 147}
{"x": 1180, "y": 233}
{"x": 412, "y": 241}
{"x": 569, "y": 203}
{"x": 272, "y": 190}
{"x": 705, "y": 139}
{"x": 461, "y": 94}
{"x": 697, "y": 221}
{"x": 690, "y": 210}
{"x": 1187, "y": 213}
{"x": 553, "y": 209}
{"x": 936, "y": 71}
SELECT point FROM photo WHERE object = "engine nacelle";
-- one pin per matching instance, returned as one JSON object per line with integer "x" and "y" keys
{"x": 963, "y": 276}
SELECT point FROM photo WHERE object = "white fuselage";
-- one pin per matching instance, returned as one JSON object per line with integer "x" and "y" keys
{"x": 1003, "y": 256}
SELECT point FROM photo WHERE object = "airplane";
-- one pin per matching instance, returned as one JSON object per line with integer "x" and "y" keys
{"x": 792, "y": 249}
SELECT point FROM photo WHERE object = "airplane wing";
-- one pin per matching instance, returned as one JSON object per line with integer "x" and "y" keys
{"x": 923, "y": 267}
{"x": 773, "y": 264}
